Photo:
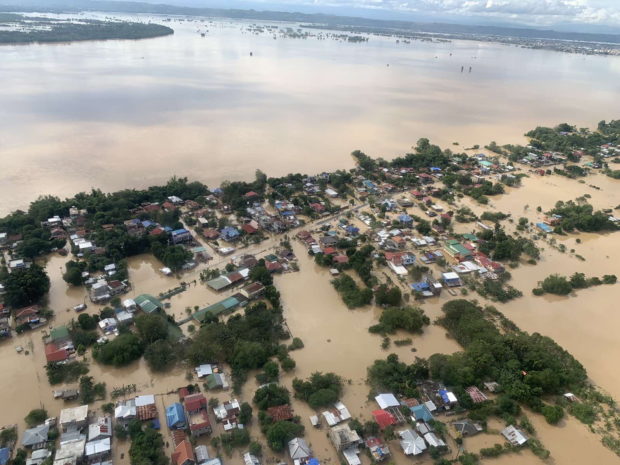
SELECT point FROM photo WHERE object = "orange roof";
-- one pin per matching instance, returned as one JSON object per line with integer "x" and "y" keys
{"x": 183, "y": 453}
{"x": 280, "y": 413}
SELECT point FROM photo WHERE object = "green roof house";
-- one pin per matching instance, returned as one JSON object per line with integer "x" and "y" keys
{"x": 148, "y": 304}
{"x": 456, "y": 250}
{"x": 59, "y": 334}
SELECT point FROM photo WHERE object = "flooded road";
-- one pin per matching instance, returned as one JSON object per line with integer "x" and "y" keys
{"x": 120, "y": 114}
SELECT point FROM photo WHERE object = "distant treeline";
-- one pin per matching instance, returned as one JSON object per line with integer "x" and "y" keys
{"x": 44, "y": 30}
{"x": 370, "y": 25}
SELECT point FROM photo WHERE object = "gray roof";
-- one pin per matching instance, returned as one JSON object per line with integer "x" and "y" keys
{"x": 298, "y": 449}
{"x": 35, "y": 435}
{"x": 467, "y": 427}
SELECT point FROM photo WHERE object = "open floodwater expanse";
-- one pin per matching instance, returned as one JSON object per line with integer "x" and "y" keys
{"x": 120, "y": 114}
{"x": 123, "y": 114}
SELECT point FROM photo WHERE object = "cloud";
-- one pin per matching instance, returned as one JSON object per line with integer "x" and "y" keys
{"x": 540, "y": 12}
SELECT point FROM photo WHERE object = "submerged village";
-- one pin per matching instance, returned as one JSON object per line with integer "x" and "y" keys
{"x": 346, "y": 317}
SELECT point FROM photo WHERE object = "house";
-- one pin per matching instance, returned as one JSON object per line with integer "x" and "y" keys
{"x": 196, "y": 414}
{"x": 514, "y": 436}
{"x": 125, "y": 411}
{"x": 411, "y": 442}
{"x": 253, "y": 291}
{"x": 100, "y": 291}
{"x": 448, "y": 398}
{"x": 343, "y": 437}
{"x": 38, "y": 456}
{"x": 337, "y": 414}
{"x": 100, "y": 429}
{"x": 180, "y": 236}
{"x": 146, "y": 409}
{"x": 5, "y": 455}
{"x": 72, "y": 419}
{"x": 421, "y": 413}
{"x": 467, "y": 427}
{"x": 379, "y": 451}
{"x": 148, "y": 304}
{"x": 451, "y": 279}
{"x": 400, "y": 258}
{"x": 383, "y": 418}
{"x": 98, "y": 450}
{"x": 56, "y": 353}
{"x": 456, "y": 250}
{"x": 70, "y": 452}
{"x": 229, "y": 234}
{"x": 405, "y": 220}
{"x": 433, "y": 441}
{"x": 249, "y": 459}
{"x": 280, "y": 412}
{"x": 216, "y": 381}
{"x": 36, "y": 437}
{"x": 175, "y": 416}
{"x": 386, "y": 401}
{"x": 476, "y": 395}
{"x": 27, "y": 315}
{"x": 184, "y": 454}
{"x": 227, "y": 411}
{"x": 299, "y": 450}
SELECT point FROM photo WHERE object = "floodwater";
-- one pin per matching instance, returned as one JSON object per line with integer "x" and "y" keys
{"x": 120, "y": 114}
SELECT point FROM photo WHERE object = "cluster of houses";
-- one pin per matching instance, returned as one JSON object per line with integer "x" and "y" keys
{"x": 412, "y": 421}
{"x": 84, "y": 439}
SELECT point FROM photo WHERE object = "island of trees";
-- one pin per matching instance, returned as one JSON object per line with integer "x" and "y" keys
{"x": 25, "y": 29}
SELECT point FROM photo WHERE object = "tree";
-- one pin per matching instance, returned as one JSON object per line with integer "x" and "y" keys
{"x": 388, "y": 296}
{"x": 87, "y": 322}
{"x": 73, "y": 275}
{"x": 271, "y": 395}
{"x": 320, "y": 390}
{"x": 281, "y": 432}
{"x": 122, "y": 350}
{"x": 245, "y": 413}
{"x": 151, "y": 328}
{"x": 160, "y": 355}
{"x": 410, "y": 319}
{"x": 553, "y": 413}
{"x": 36, "y": 417}
{"x": 26, "y": 286}
{"x": 556, "y": 284}
{"x": 147, "y": 446}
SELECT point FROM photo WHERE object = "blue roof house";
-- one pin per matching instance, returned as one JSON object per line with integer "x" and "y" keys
{"x": 405, "y": 220}
{"x": 180, "y": 235}
{"x": 421, "y": 412}
{"x": 352, "y": 230}
{"x": 5, "y": 454}
{"x": 229, "y": 234}
{"x": 175, "y": 416}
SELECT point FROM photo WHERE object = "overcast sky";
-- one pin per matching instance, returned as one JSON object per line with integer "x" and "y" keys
{"x": 530, "y": 12}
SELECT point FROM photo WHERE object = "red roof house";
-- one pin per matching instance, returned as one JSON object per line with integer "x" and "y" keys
{"x": 53, "y": 353}
{"x": 280, "y": 413}
{"x": 384, "y": 418}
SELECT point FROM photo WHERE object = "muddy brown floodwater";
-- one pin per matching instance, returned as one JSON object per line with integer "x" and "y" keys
{"x": 119, "y": 114}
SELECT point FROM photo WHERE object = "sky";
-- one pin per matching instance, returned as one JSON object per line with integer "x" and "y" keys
{"x": 560, "y": 14}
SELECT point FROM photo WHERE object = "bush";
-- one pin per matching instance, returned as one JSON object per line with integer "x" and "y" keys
{"x": 288, "y": 364}
{"x": 320, "y": 390}
{"x": 553, "y": 413}
{"x": 36, "y": 417}
{"x": 121, "y": 351}
{"x": 271, "y": 395}
{"x": 410, "y": 319}
{"x": 556, "y": 284}
{"x": 87, "y": 322}
{"x": 351, "y": 294}
{"x": 296, "y": 344}
{"x": 160, "y": 355}
{"x": 65, "y": 372}
{"x": 280, "y": 433}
